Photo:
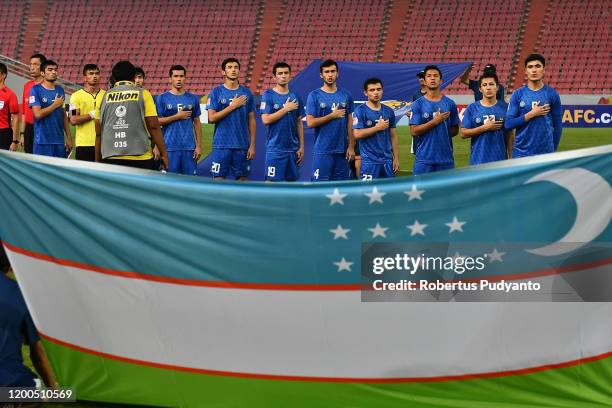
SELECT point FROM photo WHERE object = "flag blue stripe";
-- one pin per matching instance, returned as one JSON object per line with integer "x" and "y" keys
{"x": 191, "y": 228}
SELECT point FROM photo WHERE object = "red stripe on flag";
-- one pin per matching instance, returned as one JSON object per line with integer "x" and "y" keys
{"x": 288, "y": 286}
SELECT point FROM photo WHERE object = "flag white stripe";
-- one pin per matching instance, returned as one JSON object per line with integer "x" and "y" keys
{"x": 303, "y": 333}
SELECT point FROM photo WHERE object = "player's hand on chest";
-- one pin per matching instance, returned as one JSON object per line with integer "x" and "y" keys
{"x": 237, "y": 100}
{"x": 328, "y": 106}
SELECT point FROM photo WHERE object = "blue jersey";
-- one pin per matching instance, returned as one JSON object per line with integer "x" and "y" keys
{"x": 541, "y": 134}
{"x": 282, "y": 134}
{"x": 50, "y": 129}
{"x": 331, "y": 137}
{"x": 376, "y": 149}
{"x": 231, "y": 132}
{"x": 15, "y": 326}
{"x": 475, "y": 87}
{"x": 178, "y": 135}
{"x": 436, "y": 145}
{"x": 488, "y": 146}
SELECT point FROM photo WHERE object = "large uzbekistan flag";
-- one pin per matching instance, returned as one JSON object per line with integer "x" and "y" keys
{"x": 175, "y": 291}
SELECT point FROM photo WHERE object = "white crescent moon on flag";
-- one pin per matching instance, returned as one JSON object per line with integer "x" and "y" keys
{"x": 593, "y": 197}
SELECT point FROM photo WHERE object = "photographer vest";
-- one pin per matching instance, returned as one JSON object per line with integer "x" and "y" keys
{"x": 122, "y": 121}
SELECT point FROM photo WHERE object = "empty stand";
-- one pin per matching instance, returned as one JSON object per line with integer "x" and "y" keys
{"x": 12, "y": 14}
{"x": 152, "y": 34}
{"x": 342, "y": 30}
{"x": 574, "y": 35}
{"x": 576, "y": 42}
{"x": 453, "y": 31}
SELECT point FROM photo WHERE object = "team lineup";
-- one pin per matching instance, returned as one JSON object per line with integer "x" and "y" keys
{"x": 125, "y": 125}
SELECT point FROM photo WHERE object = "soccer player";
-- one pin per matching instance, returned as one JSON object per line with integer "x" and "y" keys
{"x": 231, "y": 108}
{"x": 50, "y": 120}
{"x": 9, "y": 114}
{"x": 475, "y": 86}
{"x": 27, "y": 134}
{"x": 423, "y": 90}
{"x": 434, "y": 122}
{"x": 326, "y": 111}
{"x": 535, "y": 112}
{"x": 179, "y": 114}
{"x": 374, "y": 127}
{"x": 83, "y": 105}
{"x": 483, "y": 123}
{"x": 126, "y": 122}
{"x": 140, "y": 77}
{"x": 280, "y": 112}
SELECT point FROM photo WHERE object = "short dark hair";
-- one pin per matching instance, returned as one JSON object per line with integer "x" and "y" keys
{"x": 328, "y": 63}
{"x": 278, "y": 65}
{"x": 124, "y": 71}
{"x": 228, "y": 60}
{"x": 432, "y": 67}
{"x": 90, "y": 67}
{"x": 3, "y": 69}
{"x": 488, "y": 75}
{"x": 47, "y": 63}
{"x": 177, "y": 68}
{"x": 371, "y": 81}
{"x": 535, "y": 57}
{"x": 41, "y": 57}
{"x": 139, "y": 71}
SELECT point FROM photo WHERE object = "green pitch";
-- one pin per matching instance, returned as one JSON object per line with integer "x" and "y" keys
{"x": 570, "y": 140}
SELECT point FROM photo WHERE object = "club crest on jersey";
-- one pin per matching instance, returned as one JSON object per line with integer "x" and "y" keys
{"x": 478, "y": 120}
{"x": 276, "y": 106}
{"x": 169, "y": 106}
{"x": 223, "y": 100}
{"x": 322, "y": 105}
{"x": 44, "y": 100}
{"x": 426, "y": 115}
{"x": 343, "y": 104}
{"x": 522, "y": 104}
{"x": 369, "y": 123}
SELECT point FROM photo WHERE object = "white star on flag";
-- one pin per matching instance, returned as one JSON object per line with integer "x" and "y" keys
{"x": 378, "y": 231}
{"x": 336, "y": 197}
{"x": 343, "y": 265}
{"x": 375, "y": 196}
{"x": 414, "y": 194}
{"x": 416, "y": 228}
{"x": 455, "y": 225}
{"x": 496, "y": 256}
{"x": 340, "y": 232}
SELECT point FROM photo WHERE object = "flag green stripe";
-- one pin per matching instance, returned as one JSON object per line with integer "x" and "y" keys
{"x": 101, "y": 379}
